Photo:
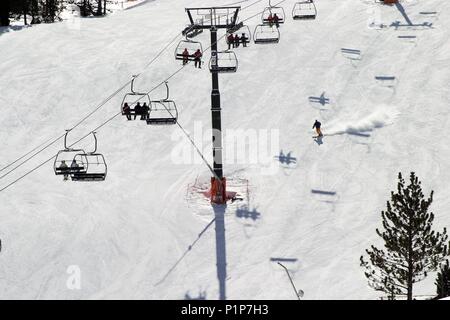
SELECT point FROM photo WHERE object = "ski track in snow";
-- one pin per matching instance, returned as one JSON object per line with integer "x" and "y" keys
{"x": 384, "y": 116}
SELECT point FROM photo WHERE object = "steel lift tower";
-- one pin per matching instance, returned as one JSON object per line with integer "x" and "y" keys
{"x": 215, "y": 18}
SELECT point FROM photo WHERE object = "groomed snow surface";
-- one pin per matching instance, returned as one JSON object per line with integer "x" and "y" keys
{"x": 377, "y": 77}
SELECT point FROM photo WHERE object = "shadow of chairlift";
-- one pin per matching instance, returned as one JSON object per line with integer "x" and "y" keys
{"x": 245, "y": 213}
{"x": 322, "y": 100}
{"x": 408, "y": 38}
{"x": 286, "y": 159}
{"x": 387, "y": 81}
{"x": 352, "y": 54}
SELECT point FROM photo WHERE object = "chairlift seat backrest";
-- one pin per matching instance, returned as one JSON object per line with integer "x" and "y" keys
{"x": 305, "y": 10}
{"x": 265, "y": 34}
{"x": 97, "y": 168}
{"x": 226, "y": 62}
{"x": 163, "y": 112}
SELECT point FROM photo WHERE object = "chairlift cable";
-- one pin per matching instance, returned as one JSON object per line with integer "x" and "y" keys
{"x": 53, "y": 157}
{"x": 103, "y": 103}
{"x": 180, "y": 126}
{"x": 18, "y": 159}
{"x": 110, "y": 119}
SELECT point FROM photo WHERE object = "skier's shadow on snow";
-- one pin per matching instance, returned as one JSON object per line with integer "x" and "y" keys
{"x": 319, "y": 140}
{"x": 286, "y": 159}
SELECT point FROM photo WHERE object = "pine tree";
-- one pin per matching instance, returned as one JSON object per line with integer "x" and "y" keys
{"x": 411, "y": 247}
{"x": 4, "y": 12}
{"x": 34, "y": 11}
{"x": 443, "y": 281}
{"x": 50, "y": 10}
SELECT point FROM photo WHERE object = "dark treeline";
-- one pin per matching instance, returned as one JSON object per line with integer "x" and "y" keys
{"x": 46, "y": 11}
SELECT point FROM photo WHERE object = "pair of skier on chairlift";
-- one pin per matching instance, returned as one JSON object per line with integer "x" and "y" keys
{"x": 273, "y": 20}
{"x": 234, "y": 40}
{"x": 143, "y": 111}
{"x": 197, "y": 57}
{"x": 64, "y": 167}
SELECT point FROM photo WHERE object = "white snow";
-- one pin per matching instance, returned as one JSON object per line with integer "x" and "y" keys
{"x": 146, "y": 232}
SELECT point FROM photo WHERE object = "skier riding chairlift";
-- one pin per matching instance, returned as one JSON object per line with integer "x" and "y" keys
{"x": 145, "y": 111}
{"x": 137, "y": 110}
{"x": 270, "y": 19}
{"x": 185, "y": 56}
{"x": 244, "y": 40}
{"x": 276, "y": 20}
{"x": 64, "y": 167}
{"x": 236, "y": 41}
{"x": 230, "y": 41}
{"x": 197, "y": 59}
{"x": 127, "y": 110}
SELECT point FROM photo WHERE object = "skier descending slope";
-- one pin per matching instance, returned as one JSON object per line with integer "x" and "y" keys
{"x": 317, "y": 125}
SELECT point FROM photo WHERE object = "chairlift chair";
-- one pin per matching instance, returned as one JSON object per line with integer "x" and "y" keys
{"x": 190, "y": 32}
{"x": 163, "y": 112}
{"x": 96, "y": 166}
{"x": 67, "y": 156}
{"x": 265, "y": 34}
{"x": 304, "y": 10}
{"x": 236, "y": 27}
{"x": 132, "y": 98}
{"x": 227, "y": 62}
{"x": 191, "y": 46}
{"x": 272, "y": 10}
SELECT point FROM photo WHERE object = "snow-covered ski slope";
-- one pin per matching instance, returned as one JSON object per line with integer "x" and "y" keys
{"x": 144, "y": 233}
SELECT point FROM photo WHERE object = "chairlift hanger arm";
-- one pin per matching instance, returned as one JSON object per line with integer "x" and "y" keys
{"x": 95, "y": 139}
{"x": 214, "y": 15}
{"x": 132, "y": 84}
{"x": 65, "y": 138}
{"x": 167, "y": 90}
